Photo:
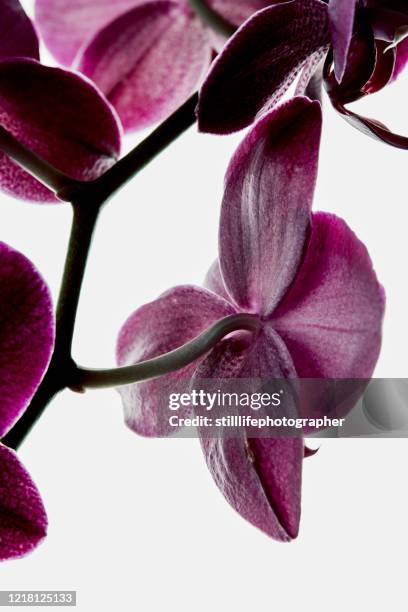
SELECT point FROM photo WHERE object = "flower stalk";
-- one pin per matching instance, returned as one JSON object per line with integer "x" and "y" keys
{"x": 169, "y": 362}
{"x": 87, "y": 200}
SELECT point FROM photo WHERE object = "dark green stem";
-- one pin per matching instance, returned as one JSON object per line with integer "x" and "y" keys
{"x": 126, "y": 168}
{"x": 169, "y": 362}
{"x": 61, "y": 369}
{"x": 88, "y": 199}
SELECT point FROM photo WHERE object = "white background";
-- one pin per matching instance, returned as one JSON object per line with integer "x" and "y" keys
{"x": 139, "y": 524}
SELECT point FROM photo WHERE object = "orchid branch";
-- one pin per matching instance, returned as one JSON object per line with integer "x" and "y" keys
{"x": 169, "y": 362}
{"x": 88, "y": 199}
{"x": 126, "y": 168}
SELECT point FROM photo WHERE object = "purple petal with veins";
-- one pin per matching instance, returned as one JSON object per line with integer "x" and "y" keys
{"x": 156, "y": 328}
{"x": 238, "y": 11}
{"x": 342, "y": 13}
{"x": 331, "y": 317}
{"x": 65, "y": 25}
{"x": 148, "y": 61}
{"x": 214, "y": 281}
{"x": 268, "y": 195}
{"x": 27, "y": 333}
{"x": 61, "y": 117}
{"x": 260, "y": 478}
{"x": 23, "y": 522}
{"x": 17, "y": 35}
{"x": 259, "y": 63}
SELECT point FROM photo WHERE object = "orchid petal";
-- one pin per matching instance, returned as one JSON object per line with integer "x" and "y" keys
{"x": 61, "y": 117}
{"x": 259, "y": 63}
{"x": 17, "y": 34}
{"x": 27, "y": 333}
{"x": 373, "y": 128}
{"x": 331, "y": 317}
{"x": 360, "y": 68}
{"x": 66, "y": 25}
{"x": 401, "y": 59}
{"x": 173, "y": 319}
{"x": 148, "y": 61}
{"x": 266, "y": 208}
{"x": 342, "y": 13}
{"x": 309, "y": 452}
{"x": 260, "y": 478}
{"x": 214, "y": 281}
{"x": 236, "y": 12}
{"x": 384, "y": 68}
{"x": 23, "y": 522}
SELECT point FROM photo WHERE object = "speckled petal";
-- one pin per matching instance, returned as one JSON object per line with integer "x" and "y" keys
{"x": 26, "y": 333}
{"x": 260, "y": 478}
{"x": 148, "y": 61}
{"x": 60, "y": 116}
{"x": 259, "y": 63}
{"x": 17, "y": 35}
{"x": 23, "y": 522}
{"x": 173, "y": 319}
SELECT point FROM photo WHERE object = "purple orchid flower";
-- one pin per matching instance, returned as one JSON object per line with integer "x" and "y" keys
{"x": 146, "y": 56}
{"x": 309, "y": 280}
{"x": 363, "y": 42}
{"x": 62, "y": 118}
{"x": 55, "y": 113}
{"x": 26, "y": 339}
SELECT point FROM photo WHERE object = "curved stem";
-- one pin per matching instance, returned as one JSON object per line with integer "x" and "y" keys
{"x": 169, "y": 362}
{"x": 34, "y": 164}
{"x": 213, "y": 19}
{"x": 88, "y": 199}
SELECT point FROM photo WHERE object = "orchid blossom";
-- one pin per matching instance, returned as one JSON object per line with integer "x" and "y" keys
{"x": 58, "y": 115}
{"x": 307, "y": 279}
{"x": 26, "y": 342}
{"x": 362, "y": 44}
{"x": 146, "y": 56}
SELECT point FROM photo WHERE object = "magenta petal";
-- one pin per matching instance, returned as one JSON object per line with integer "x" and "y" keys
{"x": 214, "y": 281}
{"x": 331, "y": 317}
{"x": 259, "y": 63}
{"x": 148, "y": 61}
{"x": 173, "y": 319}
{"x": 266, "y": 208}
{"x": 342, "y": 13}
{"x": 23, "y": 522}
{"x": 17, "y": 34}
{"x": 65, "y": 25}
{"x": 260, "y": 478}
{"x": 27, "y": 333}
{"x": 402, "y": 58}
{"x": 310, "y": 452}
{"x": 372, "y": 128}
{"x": 238, "y": 11}
{"x": 60, "y": 116}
